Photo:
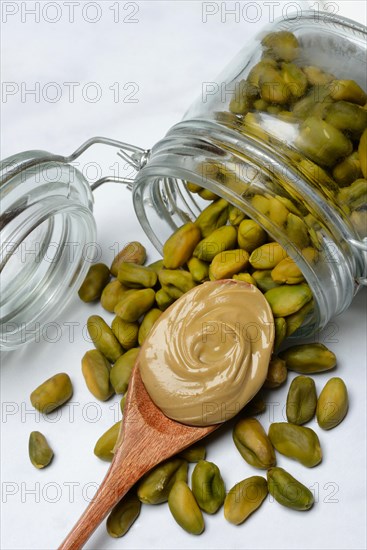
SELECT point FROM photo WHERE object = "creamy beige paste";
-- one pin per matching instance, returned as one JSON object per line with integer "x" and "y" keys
{"x": 208, "y": 354}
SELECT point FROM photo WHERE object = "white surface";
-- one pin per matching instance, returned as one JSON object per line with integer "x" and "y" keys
{"x": 168, "y": 54}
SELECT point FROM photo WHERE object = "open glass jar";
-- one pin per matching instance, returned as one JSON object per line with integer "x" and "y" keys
{"x": 280, "y": 135}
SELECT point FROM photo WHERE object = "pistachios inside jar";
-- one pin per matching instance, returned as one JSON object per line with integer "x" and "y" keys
{"x": 280, "y": 151}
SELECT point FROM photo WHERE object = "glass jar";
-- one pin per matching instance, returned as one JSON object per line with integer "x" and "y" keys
{"x": 251, "y": 138}
{"x": 248, "y": 142}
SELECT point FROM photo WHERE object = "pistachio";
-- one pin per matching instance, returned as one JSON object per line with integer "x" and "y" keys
{"x": 123, "y": 515}
{"x": 315, "y": 103}
{"x": 362, "y": 152}
{"x": 185, "y": 509}
{"x": 250, "y": 235}
{"x": 288, "y": 491}
{"x": 235, "y": 215}
{"x": 228, "y": 263}
{"x": 156, "y": 266}
{"x": 199, "y": 269}
{"x": 295, "y": 79}
{"x": 133, "y": 252}
{"x": 244, "y": 498}
{"x": 267, "y": 256}
{"x": 278, "y": 212}
{"x": 308, "y": 358}
{"x": 253, "y": 444}
{"x": 179, "y": 247}
{"x": 122, "y": 369}
{"x": 332, "y": 405}
{"x": 280, "y": 326}
{"x": 245, "y": 277}
{"x": 155, "y": 486}
{"x": 172, "y": 279}
{"x": 40, "y": 452}
{"x": 134, "y": 305}
{"x": 96, "y": 372}
{"x": 112, "y": 294}
{"x": 287, "y": 271}
{"x": 297, "y": 231}
{"x": 355, "y": 196}
{"x": 136, "y": 276}
{"x": 221, "y": 239}
{"x": 125, "y": 332}
{"x": 96, "y": 279}
{"x": 243, "y": 97}
{"x": 163, "y": 299}
{"x": 316, "y": 76}
{"x": 347, "y": 90}
{"x": 103, "y": 338}
{"x": 52, "y": 393}
{"x": 208, "y": 486}
{"x": 347, "y": 171}
{"x": 257, "y": 72}
{"x": 264, "y": 280}
{"x": 322, "y": 142}
{"x": 347, "y": 117}
{"x": 193, "y": 187}
{"x": 301, "y": 400}
{"x": 173, "y": 291}
{"x": 297, "y": 442}
{"x": 147, "y": 323}
{"x": 285, "y": 300}
{"x": 273, "y": 88}
{"x": 194, "y": 453}
{"x": 104, "y": 448}
{"x": 294, "y": 321}
{"x": 122, "y": 402}
{"x": 212, "y": 217}
{"x": 208, "y": 195}
{"x": 281, "y": 45}
{"x": 277, "y": 373}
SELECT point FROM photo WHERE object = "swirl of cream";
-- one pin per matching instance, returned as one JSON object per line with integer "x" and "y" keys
{"x": 208, "y": 354}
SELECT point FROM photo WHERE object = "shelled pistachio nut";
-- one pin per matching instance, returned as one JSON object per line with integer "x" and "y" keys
{"x": 155, "y": 486}
{"x": 103, "y": 338}
{"x": 96, "y": 279}
{"x": 297, "y": 442}
{"x": 106, "y": 443}
{"x": 123, "y": 515}
{"x": 133, "y": 252}
{"x": 185, "y": 509}
{"x": 244, "y": 498}
{"x": 301, "y": 400}
{"x": 96, "y": 372}
{"x": 40, "y": 452}
{"x": 208, "y": 486}
{"x": 332, "y": 405}
{"x": 288, "y": 491}
{"x": 308, "y": 358}
{"x": 253, "y": 444}
{"x": 121, "y": 371}
{"x": 52, "y": 393}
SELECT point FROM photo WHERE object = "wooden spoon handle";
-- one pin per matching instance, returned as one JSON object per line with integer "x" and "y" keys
{"x": 110, "y": 492}
{"x": 124, "y": 472}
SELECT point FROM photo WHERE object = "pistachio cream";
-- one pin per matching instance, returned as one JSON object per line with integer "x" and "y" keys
{"x": 208, "y": 354}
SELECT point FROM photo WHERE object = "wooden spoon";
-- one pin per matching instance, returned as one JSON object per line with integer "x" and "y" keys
{"x": 146, "y": 438}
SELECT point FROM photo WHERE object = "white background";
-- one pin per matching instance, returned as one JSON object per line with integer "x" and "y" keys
{"x": 163, "y": 57}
